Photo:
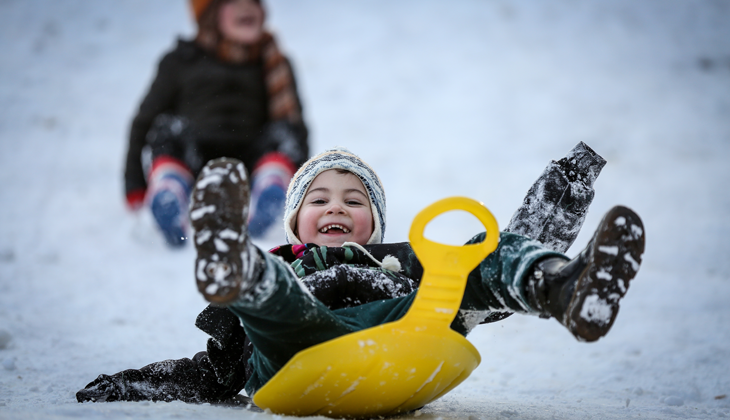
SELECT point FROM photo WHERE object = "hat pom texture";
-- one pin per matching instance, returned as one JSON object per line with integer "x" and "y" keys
{"x": 336, "y": 158}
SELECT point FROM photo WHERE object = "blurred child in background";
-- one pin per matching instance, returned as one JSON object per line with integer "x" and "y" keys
{"x": 229, "y": 92}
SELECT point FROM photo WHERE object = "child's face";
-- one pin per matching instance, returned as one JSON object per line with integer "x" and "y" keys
{"x": 335, "y": 210}
{"x": 241, "y": 21}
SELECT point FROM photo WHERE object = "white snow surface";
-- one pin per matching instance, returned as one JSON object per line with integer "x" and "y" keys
{"x": 443, "y": 98}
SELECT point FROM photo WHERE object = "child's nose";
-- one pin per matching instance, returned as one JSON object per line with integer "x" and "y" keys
{"x": 336, "y": 208}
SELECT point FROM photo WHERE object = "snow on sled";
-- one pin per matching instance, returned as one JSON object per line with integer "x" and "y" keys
{"x": 399, "y": 366}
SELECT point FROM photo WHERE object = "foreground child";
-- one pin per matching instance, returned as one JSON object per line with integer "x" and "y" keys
{"x": 230, "y": 92}
{"x": 335, "y": 221}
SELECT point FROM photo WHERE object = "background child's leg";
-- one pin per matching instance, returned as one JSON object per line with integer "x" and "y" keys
{"x": 168, "y": 195}
{"x": 170, "y": 179}
{"x": 269, "y": 181}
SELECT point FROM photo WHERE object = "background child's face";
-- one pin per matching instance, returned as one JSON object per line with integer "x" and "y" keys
{"x": 241, "y": 21}
{"x": 335, "y": 210}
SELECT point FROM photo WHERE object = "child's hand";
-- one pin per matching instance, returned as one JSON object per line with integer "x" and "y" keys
{"x": 104, "y": 388}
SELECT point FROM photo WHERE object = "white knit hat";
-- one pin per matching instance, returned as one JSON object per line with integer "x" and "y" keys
{"x": 337, "y": 158}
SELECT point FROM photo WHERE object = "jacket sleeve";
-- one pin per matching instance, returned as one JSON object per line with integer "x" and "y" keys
{"x": 160, "y": 98}
{"x": 556, "y": 205}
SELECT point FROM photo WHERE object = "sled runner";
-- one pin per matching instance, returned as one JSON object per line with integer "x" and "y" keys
{"x": 398, "y": 366}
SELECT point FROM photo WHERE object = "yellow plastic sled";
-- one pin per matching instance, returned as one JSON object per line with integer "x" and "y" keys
{"x": 398, "y": 366}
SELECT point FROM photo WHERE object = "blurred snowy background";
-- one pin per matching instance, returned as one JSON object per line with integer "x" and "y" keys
{"x": 443, "y": 98}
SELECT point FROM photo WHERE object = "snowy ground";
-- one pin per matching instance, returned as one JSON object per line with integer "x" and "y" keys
{"x": 442, "y": 98}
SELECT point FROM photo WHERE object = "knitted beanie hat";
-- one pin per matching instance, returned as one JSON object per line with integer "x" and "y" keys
{"x": 199, "y": 7}
{"x": 337, "y": 158}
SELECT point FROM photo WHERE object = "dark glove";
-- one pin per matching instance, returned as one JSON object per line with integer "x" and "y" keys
{"x": 556, "y": 205}
{"x": 287, "y": 138}
{"x": 105, "y": 388}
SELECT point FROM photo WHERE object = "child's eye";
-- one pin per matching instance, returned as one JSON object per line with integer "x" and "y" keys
{"x": 354, "y": 203}
{"x": 319, "y": 201}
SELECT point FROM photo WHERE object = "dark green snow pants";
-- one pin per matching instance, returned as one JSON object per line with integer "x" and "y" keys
{"x": 282, "y": 317}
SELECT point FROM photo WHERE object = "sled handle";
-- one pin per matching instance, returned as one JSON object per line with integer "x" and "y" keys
{"x": 446, "y": 267}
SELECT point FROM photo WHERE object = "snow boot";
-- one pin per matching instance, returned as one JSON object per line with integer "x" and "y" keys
{"x": 583, "y": 294}
{"x": 269, "y": 209}
{"x": 270, "y": 180}
{"x": 169, "y": 192}
{"x": 227, "y": 263}
{"x": 167, "y": 209}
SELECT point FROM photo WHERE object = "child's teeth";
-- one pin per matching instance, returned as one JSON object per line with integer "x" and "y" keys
{"x": 327, "y": 228}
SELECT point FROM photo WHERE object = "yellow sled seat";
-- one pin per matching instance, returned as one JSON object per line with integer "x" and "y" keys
{"x": 398, "y": 366}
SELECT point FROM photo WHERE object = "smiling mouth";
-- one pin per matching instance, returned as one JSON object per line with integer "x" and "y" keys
{"x": 246, "y": 20}
{"x": 335, "y": 228}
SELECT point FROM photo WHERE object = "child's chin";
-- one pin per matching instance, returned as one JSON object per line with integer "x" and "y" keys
{"x": 334, "y": 241}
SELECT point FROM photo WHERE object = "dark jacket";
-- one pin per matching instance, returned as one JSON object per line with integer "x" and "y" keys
{"x": 224, "y": 103}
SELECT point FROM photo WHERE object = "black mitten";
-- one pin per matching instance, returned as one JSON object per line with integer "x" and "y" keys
{"x": 287, "y": 138}
{"x": 104, "y": 388}
{"x": 555, "y": 207}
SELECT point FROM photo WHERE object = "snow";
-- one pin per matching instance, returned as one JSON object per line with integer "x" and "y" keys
{"x": 441, "y": 98}
{"x": 202, "y": 211}
{"x": 613, "y": 250}
{"x": 596, "y": 310}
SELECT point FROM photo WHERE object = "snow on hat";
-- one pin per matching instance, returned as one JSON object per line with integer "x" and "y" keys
{"x": 337, "y": 158}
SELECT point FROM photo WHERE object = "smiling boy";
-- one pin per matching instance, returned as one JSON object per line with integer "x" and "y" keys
{"x": 335, "y": 210}
{"x": 335, "y": 222}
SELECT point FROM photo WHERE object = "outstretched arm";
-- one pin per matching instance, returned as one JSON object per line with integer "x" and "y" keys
{"x": 555, "y": 207}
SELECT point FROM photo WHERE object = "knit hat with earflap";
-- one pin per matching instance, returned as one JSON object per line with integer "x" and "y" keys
{"x": 337, "y": 158}
{"x": 199, "y": 6}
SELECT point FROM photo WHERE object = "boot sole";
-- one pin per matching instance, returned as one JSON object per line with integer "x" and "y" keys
{"x": 218, "y": 214}
{"x": 617, "y": 249}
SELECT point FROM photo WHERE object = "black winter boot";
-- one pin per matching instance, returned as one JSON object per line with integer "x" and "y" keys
{"x": 583, "y": 294}
{"x": 227, "y": 263}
